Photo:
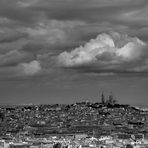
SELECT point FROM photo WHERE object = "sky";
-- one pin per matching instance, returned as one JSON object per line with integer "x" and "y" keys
{"x": 67, "y": 51}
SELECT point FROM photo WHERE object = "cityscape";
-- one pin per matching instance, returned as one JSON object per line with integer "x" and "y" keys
{"x": 73, "y": 73}
{"x": 105, "y": 123}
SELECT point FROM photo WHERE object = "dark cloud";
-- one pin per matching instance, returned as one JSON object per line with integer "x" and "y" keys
{"x": 11, "y": 36}
{"x": 88, "y": 10}
{"x": 31, "y": 29}
{"x": 11, "y": 10}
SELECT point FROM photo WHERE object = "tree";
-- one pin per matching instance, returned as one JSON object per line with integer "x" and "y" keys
{"x": 57, "y": 145}
{"x": 2, "y": 116}
{"x": 129, "y": 146}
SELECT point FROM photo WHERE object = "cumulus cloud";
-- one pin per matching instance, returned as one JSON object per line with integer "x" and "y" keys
{"x": 23, "y": 69}
{"x": 30, "y": 68}
{"x": 113, "y": 52}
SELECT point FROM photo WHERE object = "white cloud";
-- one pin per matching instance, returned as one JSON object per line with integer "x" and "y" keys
{"x": 22, "y": 69}
{"x": 108, "y": 52}
{"x": 29, "y": 68}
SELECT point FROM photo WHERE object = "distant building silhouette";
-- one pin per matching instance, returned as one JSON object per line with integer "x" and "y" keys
{"x": 102, "y": 98}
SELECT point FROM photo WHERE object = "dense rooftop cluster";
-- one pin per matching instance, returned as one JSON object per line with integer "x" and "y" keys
{"x": 84, "y": 117}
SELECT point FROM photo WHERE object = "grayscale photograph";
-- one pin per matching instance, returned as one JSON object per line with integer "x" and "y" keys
{"x": 73, "y": 73}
